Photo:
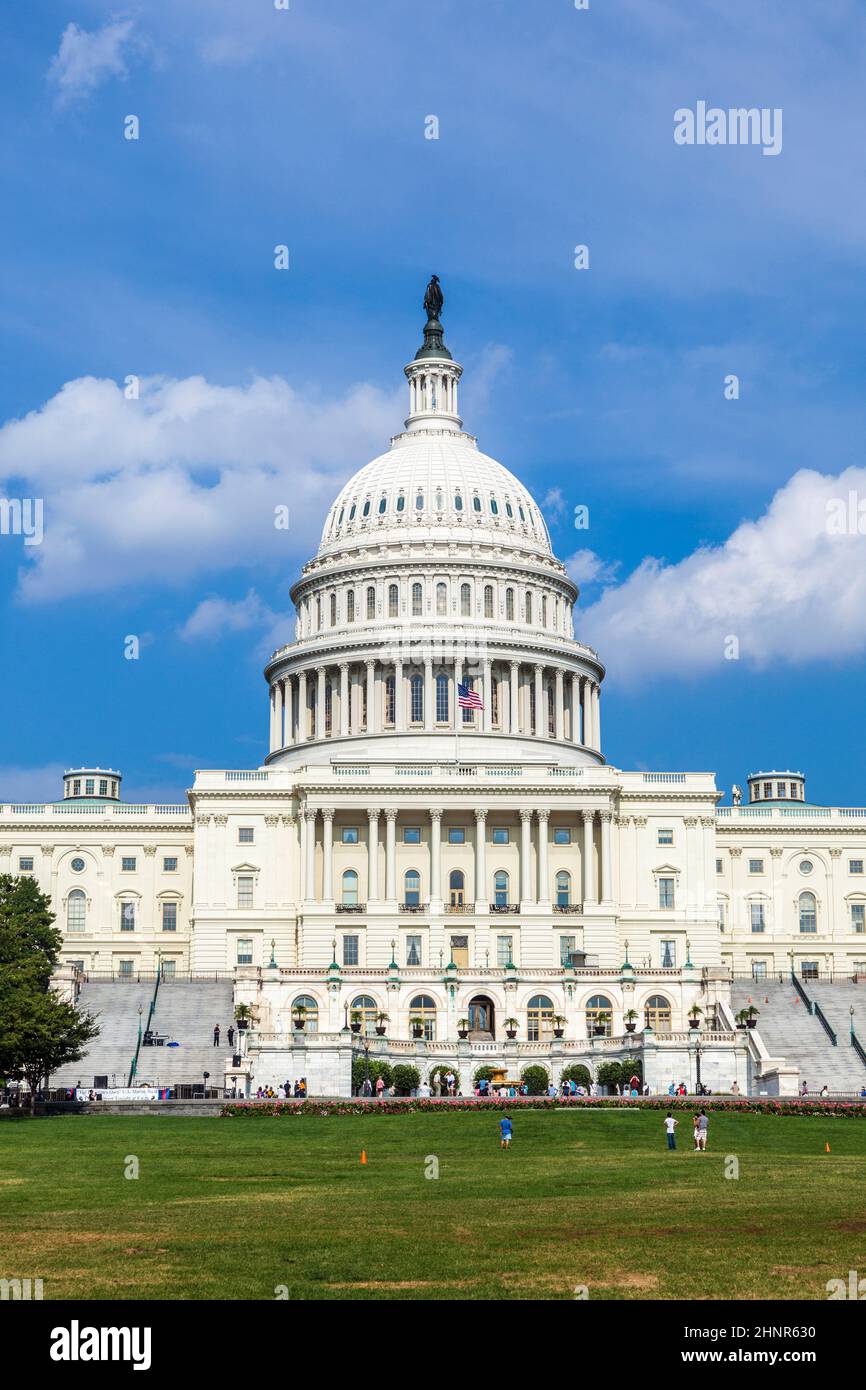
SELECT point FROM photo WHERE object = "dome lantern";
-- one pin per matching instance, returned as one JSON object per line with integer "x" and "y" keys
{"x": 433, "y": 374}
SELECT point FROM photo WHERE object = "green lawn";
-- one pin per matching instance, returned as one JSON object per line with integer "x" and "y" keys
{"x": 233, "y": 1208}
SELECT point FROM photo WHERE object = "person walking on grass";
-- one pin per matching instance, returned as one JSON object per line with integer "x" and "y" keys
{"x": 505, "y": 1130}
{"x": 670, "y": 1130}
{"x": 702, "y": 1130}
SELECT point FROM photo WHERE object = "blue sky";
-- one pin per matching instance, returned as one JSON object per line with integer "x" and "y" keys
{"x": 601, "y": 387}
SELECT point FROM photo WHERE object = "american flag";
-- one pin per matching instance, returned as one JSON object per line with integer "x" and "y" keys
{"x": 467, "y": 698}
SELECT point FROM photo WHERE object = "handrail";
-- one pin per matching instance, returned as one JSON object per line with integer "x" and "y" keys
{"x": 798, "y": 985}
{"x": 134, "y": 1065}
{"x": 858, "y": 1047}
{"x": 815, "y": 1009}
{"x": 150, "y": 1011}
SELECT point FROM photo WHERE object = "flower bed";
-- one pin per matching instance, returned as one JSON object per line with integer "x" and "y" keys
{"x": 754, "y": 1105}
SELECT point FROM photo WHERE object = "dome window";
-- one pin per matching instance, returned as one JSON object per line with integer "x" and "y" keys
{"x": 509, "y": 511}
{"x": 401, "y": 502}
{"x": 366, "y": 508}
{"x": 419, "y": 502}
{"x": 340, "y": 517}
{"x": 458, "y": 502}
{"x": 521, "y": 511}
{"x": 494, "y": 506}
{"x": 476, "y": 504}
{"x": 383, "y": 502}
{"x": 352, "y": 512}
{"x": 439, "y": 500}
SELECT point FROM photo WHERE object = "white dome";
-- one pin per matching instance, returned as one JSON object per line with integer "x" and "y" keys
{"x": 433, "y": 487}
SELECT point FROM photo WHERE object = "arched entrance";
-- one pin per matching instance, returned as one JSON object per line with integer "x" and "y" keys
{"x": 482, "y": 1021}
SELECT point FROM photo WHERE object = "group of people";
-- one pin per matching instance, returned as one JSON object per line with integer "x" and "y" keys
{"x": 230, "y": 1035}
{"x": 701, "y": 1129}
{"x": 289, "y": 1089}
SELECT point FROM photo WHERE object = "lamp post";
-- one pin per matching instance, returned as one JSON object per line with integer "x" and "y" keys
{"x": 206, "y": 1076}
{"x": 698, "y": 1067}
{"x": 851, "y": 1012}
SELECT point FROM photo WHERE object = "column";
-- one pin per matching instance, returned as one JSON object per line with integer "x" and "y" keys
{"x": 391, "y": 856}
{"x": 373, "y": 855}
{"x": 399, "y": 720}
{"x": 543, "y": 885}
{"x": 302, "y": 707}
{"x": 488, "y": 696}
{"x": 273, "y": 703}
{"x": 435, "y": 859}
{"x": 344, "y": 699}
{"x": 288, "y": 711}
{"x": 372, "y": 724}
{"x": 525, "y": 857}
{"x": 596, "y": 717}
{"x": 278, "y": 713}
{"x": 310, "y": 877}
{"x": 514, "y": 699}
{"x": 302, "y": 874}
{"x": 481, "y": 899}
{"x": 588, "y": 874}
{"x": 559, "y": 705}
{"x": 575, "y": 708}
{"x": 328, "y": 855}
{"x": 586, "y": 704}
{"x": 539, "y": 703}
{"x": 606, "y": 860}
{"x": 320, "y": 703}
{"x": 429, "y": 694}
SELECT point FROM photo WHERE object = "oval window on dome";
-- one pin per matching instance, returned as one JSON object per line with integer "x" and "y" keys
{"x": 494, "y": 506}
{"x": 419, "y": 502}
{"x": 458, "y": 502}
{"x": 476, "y": 504}
{"x": 509, "y": 511}
{"x": 521, "y": 511}
{"x": 383, "y": 502}
{"x": 352, "y": 512}
{"x": 366, "y": 510}
{"x": 439, "y": 500}
{"x": 401, "y": 502}
{"x": 340, "y": 517}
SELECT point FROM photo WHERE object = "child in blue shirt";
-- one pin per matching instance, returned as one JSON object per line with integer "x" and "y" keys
{"x": 504, "y": 1132}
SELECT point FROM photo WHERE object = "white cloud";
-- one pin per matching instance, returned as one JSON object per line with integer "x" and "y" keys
{"x": 32, "y": 784}
{"x": 217, "y": 617}
{"x": 85, "y": 60}
{"x": 585, "y": 567}
{"x": 185, "y": 480}
{"x": 785, "y": 586}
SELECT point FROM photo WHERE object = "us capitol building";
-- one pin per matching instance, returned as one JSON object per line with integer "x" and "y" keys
{"x": 434, "y": 846}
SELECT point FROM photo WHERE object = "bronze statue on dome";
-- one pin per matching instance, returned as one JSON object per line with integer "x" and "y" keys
{"x": 433, "y": 298}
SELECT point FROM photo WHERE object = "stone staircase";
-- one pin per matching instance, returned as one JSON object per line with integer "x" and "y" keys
{"x": 186, "y": 1011}
{"x": 789, "y": 1030}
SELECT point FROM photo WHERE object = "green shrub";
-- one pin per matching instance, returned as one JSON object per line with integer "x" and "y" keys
{"x": 610, "y": 1075}
{"x": 484, "y": 1074}
{"x": 406, "y": 1079}
{"x": 535, "y": 1079}
{"x": 442, "y": 1072}
{"x": 578, "y": 1073}
{"x": 377, "y": 1069}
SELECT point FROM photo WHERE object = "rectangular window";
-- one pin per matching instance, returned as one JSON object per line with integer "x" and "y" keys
{"x": 561, "y": 835}
{"x": 759, "y": 970}
{"x": 76, "y": 787}
{"x": 504, "y": 947}
{"x": 666, "y": 892}
{"x": 722, "y": 916}
{"x": 566, "y": 947}
{"x": 245, "y": 890}
{"x": 781, "y": 790}
{"x": 169, "y": 969}
{"x": 127, "y": 916}
{"x": 666, "y": 837}
{"x": 855, "y": 866}
{"x": 25, "y": 865}
{"x": 169, "y": 916}
{"x": 126, "y": 967}
{"x": 349, "y": 835}
{"x": 350, "y": 950}
{"x": 667, "y": 955}
{"x": 245, "y": 950}
{"x": 411, "y": 834}
{"x": 103, "y": 786}
{"x": 456, "y": 835}
{"x": 719, "y": 866}
{"x": 768, "y": 791}
{"x": 169, "y": 866}
{"x": 809, "y": 970}
{"x": 413, "y": 950}
{"x": 756, "y": 866}
{"x": 756, "y": 916}
{"x": 89, "y": 786}
{"x": 127, "y": 865}
{"x": 76, "y": 964}
{"x": 500, "y": 835}
{"x": 858, "y": 917}
{"x": 245, "y": 835}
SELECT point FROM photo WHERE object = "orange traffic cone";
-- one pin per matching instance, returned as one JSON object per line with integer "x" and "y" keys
{"x": 826, "y": 1148}
{"x": 363, "y": 1155}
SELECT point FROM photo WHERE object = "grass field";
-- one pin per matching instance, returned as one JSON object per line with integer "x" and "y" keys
{"x": 234, "y": 1208}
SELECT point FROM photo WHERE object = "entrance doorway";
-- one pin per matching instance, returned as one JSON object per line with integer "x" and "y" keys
{"x": 481, "y": 1017}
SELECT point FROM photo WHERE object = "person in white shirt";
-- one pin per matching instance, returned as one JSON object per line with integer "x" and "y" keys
{"x": 670, "y": 1130}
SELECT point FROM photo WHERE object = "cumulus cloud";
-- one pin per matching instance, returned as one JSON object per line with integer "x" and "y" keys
{"x": 87, "y": 59}
{"x": 585, "y": 567}
{"x": 218, "y": 617}
{"x": 789, "y": 587}
{"x": 184, "y": 481}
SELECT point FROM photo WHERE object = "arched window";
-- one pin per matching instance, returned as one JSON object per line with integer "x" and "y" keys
{"x": 657, "y": 1013}
{"x": 808, "y": 913}
{"x": 465, "y": 601}
{"x": 476, "y": 504}
{"x": 329, "y": 706}
{"x": 310, "y": 1014}
{"x": 76, "y": 910}
{"x": 333, "y": 610}
{"x": 509, "y": 605}
{"x": 488, "y": 600}
{"x": 468, "y": 714}
{"x": 417, "y": 601}
{"x": 401, "y": 503}
{"x": 350, "y": 888}
{"x": 441, "y": 599}
{"x": 544, "y": 610}
{"x": 456, "y": 888}
{"x": 390, "y": 699}
{"x": 416, "y": 689}
{"x": 383, "y": 502}
{"x": 599, "y": 1012}
{"x": 529, "y": 608}
{"x": 352, "y": 511}
{"x": 371, "y": 601}
{"x": 458, "y": 502}
{"x": 494, "y": 506}
{"x": 365, "y": 510}
{"x": 424, "y": 1008}
{"x": 551, "y": 711}
{"x": 350, "y": 606}
{"x": 500, "y": 888}
{"x": 393, "y": 601}
{"x": 364, "y": 1010}
{"x": 419, "y": 502}
{"x": 563, "y": 888}
{"x": 441, "y": 699}
{"x": 412, "y": 888}
{"x": 539, "y": 1018}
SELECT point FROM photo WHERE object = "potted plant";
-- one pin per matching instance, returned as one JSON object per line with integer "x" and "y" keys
{"x": 243, "y": 1016}
{"x": 463, "y": 1027}
{"x": 511, "y": 1028}
{"x": 751, "y": 1016}
{"x": 417, "y": 1026}
{"x": 355, "y": 1024}
{"x": 300, "y": 1016}
{"x": 741, "y": 1017}
{"x": 695, "y": 1016}
{"x": 558, "y": 1025}
{"x": 381, "y": 1020}
{"x": 630, "y": 1017}
{"x": 600, "y": 1025}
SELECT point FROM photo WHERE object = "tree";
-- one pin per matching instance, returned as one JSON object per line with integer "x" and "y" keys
{"x": 39, "y": 1032}
{"x": 576, "y": 1072}
{"x": 610, "y": 1075}
{"x": 376, "y": 1069}
{"x": 442, "y": 1071}
{"x": 536, "y": 1080}
{"x": 484, "y": 1074}
{"x": 406, "y": 1079}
